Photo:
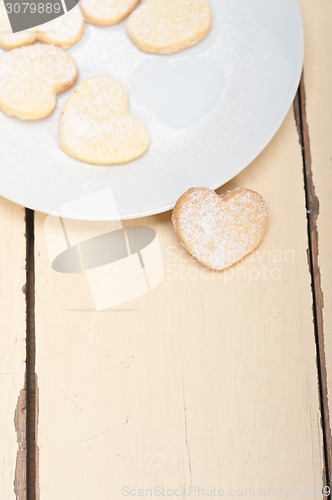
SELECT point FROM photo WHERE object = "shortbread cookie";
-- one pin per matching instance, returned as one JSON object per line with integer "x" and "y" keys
{"x": 220, "y": 230}
{"x": 31, "y": 77}
{"x": 168, "y": 26}
{"x": 95, "y": 126}
{"x": 63, "y": 31}
{"x": 106, "y": 12}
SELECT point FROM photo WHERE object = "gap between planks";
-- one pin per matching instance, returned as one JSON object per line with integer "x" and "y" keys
{"x": 31, "y": 380}
{"x": 312, "y": 209}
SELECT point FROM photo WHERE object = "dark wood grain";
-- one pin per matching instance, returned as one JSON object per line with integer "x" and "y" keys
{"x": 32, "y": 413}
{"x": 312, "y": 206}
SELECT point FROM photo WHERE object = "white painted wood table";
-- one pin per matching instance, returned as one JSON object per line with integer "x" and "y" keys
{"x": 214, "y": 383}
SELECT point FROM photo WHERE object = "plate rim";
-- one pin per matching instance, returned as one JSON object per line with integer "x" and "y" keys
{"x": 155, "y": 211}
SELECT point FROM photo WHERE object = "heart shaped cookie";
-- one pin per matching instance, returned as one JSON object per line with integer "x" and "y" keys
{"x": 107, "y": 12}
{"x": 95, "y": 126}
{"x": 168, "y": 26}
{"x": 63, "y": 31}
{"x": 31, "y": 77}
{"x": 220, "y": 230}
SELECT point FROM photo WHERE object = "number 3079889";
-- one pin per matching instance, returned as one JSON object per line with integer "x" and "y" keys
{"x": 33, "y": 8}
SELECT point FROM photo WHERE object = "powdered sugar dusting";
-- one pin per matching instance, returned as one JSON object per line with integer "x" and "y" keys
{"x": 220, "y": 230}
{"x": 168, "y": 26}
{"x": 63, "y": 31}
{"x": 30, "y": 78}
{"x": 95, "y": 125}
{"x": 207, "y": 152}
{"x": 107, "y": 12}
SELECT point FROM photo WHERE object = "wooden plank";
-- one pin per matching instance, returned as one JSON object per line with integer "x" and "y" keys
{"x": 316, "y": 107}
{"x": 208, "y": 380}
{"x": 12, "y": 353}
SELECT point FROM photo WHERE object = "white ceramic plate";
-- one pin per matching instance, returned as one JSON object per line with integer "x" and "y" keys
{"x": 210, "y": 111}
